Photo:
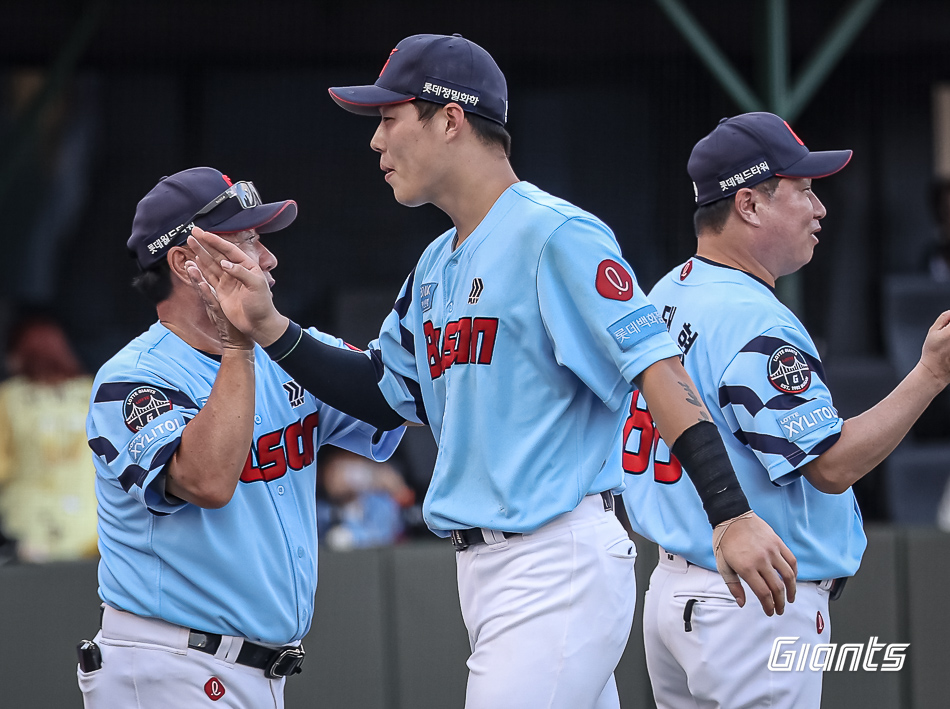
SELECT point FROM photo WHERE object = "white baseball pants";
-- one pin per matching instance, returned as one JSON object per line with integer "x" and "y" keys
{"x": 722, "y": 661}
{"x": 147, "y": 664}
{"x": 549, "y": 613}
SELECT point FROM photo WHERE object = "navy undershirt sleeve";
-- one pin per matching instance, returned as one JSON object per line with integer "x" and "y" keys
{"x": 345, "y": 379}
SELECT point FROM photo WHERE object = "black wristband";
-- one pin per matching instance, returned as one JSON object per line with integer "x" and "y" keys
{"x": 703, "y": 456}
{"x": 285, "y": 344}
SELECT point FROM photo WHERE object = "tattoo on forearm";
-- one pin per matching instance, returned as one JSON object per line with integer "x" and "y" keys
{"x": 691, "y": 398}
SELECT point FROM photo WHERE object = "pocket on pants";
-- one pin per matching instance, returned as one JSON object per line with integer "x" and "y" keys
{"x": 623, "y": 549}
{"x": 87, "y": 680}
{"x": 710, "y": 599}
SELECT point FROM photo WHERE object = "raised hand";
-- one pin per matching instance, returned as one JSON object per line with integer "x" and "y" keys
{"x": 230, "y": 336}
{"x": 936, "y": 351}
{"x": 239, "y": 285}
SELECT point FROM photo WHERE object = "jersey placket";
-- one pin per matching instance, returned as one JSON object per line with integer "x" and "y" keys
{"x": 282, "y": 494}
{"x": 450, "y": 276}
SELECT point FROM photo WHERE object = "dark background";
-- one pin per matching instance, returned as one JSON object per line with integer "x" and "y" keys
{"x": 606, "y": 100}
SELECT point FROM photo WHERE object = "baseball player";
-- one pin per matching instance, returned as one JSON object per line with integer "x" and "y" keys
{"x": 515, "y": 339}
{"x": 205, "y": 457}
{"x": 760, "y": 375}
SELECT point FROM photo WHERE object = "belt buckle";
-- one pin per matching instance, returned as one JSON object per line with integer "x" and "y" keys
{"x": 457, "y": 540}
{"x": 287, "y": 663}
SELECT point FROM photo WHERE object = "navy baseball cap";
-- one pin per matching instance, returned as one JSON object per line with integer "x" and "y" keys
{"x": 745, "y": 150}
{"x": 200, "y": 196}
{"x": 433, "y": 67}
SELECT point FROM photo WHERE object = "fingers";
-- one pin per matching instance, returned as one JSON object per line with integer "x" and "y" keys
{"x": 207, "y": 259}
{"x": 217, "y": 258}
{"x": 738, "y": 592}
{"x": 216, "y": 247}
{"x": 205, "y": 289}
{"x": 790, "y": 573}
{"x": 771, "y": 599}
{"x": 942, "y": 321}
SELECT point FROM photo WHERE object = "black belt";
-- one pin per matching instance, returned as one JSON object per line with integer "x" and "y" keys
{"x": 279, "y": 662}
{"x": 462, "y": 539}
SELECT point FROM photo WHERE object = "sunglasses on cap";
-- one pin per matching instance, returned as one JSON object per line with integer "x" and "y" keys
{"x": 244, "y": 191}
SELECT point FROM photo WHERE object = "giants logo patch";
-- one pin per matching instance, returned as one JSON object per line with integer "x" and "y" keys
{"x": 789, "y": 371}
{"x": 613, "y": 281}
{"x": 142, "y": 405}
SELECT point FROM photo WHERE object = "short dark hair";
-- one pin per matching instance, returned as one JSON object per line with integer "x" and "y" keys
{"x": 712, "y": 216}
{"x": 155, "y": 282}
{"x": 487, "y": 130}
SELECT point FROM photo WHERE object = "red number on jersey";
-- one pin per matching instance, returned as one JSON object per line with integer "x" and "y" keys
{"x": 641, "y": 439}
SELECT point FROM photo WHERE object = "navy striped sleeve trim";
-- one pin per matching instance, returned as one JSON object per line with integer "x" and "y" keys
{"x": 376, "y": 357}
{"x": 134, "y": 475}
{"x": 414, "y": 389}
{"x": 416, "y": 392}
{"x": 785, "y": 402}
{"x": 747, "y": 398}
{"x": 774, "y": 445}
{"x": 824, "y": 445}
{"x": 118, "y": 391}
{"x": 103, "y": 448}
{"x": 407, "y": 340}
{"x": 765, "y": 345}
{"x": 165, "y": 453}
{"x": 740, "y": 396}
{"x": 401, "y": 307}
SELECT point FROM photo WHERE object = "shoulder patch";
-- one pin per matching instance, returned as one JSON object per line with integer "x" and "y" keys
{"x": 637, "y": 326}
{"x": 142, "y": 405}
{"x": 613, "y": 281}
{"x": 788, "y": 370}
{"x": 808, "y": 417}
{"x": 685, "y": 271}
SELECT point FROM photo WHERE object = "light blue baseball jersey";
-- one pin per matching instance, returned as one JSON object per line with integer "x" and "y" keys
{"x": 517, "y": 348}
{"x": 760, "y": 376}
{"x": 248, "y": 568}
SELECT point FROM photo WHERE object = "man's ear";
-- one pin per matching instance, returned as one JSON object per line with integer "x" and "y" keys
{"x": 746, "y": 204}
{"x": 177, "y": 257}
{"x": 454, "y": 119}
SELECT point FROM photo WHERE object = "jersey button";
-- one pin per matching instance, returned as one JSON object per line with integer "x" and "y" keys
{"x": 280, "y": 489}
{"x": 257, "y": 419}
{"x": 300, "y": 552}
{"x": 448, "y": 308}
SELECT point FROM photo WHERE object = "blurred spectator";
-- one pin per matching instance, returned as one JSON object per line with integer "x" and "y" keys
{"x": 47, "y": 489}
{"x": 938, "y": 253}
{"x": 360, "y": 503}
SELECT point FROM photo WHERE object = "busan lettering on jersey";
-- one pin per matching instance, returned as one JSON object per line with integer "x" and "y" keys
{"x": 462, "y": 341}
{"x": 286, "y": 448}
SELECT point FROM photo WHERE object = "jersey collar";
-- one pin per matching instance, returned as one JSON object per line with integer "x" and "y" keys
{"x": 733, "y": 268}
